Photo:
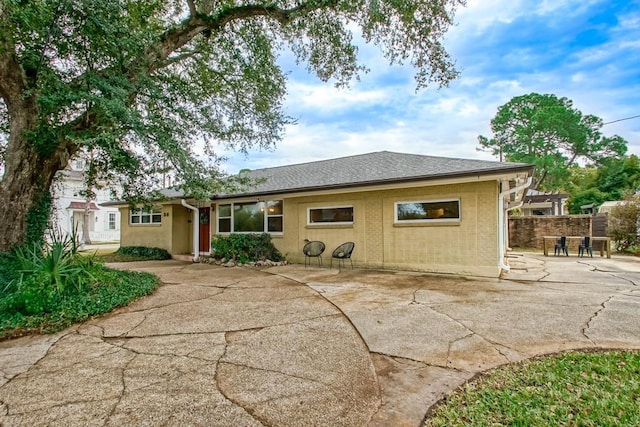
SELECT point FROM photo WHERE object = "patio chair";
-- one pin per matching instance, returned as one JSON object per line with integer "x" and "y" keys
{"x": 341, "y": 253}
{"x": 585, "y": 246}
{"x": 313, "y": 249}
{"x": 561, "y": 246}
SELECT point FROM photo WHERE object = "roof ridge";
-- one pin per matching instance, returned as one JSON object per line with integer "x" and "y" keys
{"x": 395, "y": 153}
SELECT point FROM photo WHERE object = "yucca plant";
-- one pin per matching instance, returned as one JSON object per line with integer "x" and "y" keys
{"x": 48, "y": 271}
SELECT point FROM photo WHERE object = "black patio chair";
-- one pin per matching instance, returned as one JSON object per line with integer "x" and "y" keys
{"x": 313, "y": 249}
{"x": 341, "y": 253}
{"x": 561, "y": 246}
{"x": 585, "y": 246}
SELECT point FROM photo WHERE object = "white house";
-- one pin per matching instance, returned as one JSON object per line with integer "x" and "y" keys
{"x": 69, "y": 207}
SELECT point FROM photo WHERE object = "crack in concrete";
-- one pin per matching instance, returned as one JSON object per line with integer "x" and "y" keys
{"x": 414, "y": 299}
{"x": 422, "y": 362}
{"x": 610, "y": 273}
{"x": 593, "y": 317}
{"x": 123, "y": 389}
{"x": 33, "y": 365}
{"x": 495, "y": 345}
{"x": 216, "y": 378}
{"x": 625, "y": 279}
{"x": 340, "y": 312}
{"x": 452, "y": 342}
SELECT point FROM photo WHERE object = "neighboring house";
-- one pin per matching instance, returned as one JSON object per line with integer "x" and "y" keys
{"x": 607, "y": 207}
{"x": 70, "y": 206}
{"x": 539, "y": 203}
{"x": 403, "y": 211}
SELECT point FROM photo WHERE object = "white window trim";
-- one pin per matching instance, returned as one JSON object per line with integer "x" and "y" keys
{"x": 326, "y": 224}
{"x": 143, "y": 212}
{"x": 427, "y": 220}
{"x": 115, "y": 221}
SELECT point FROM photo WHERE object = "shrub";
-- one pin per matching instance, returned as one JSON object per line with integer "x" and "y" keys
{"x": 245, "y": 247}
{"x": 41, "y": 274}
{"x": 144, "y": 253}
{"x": 112, "y": 289}
{"x": 623, "y": 224}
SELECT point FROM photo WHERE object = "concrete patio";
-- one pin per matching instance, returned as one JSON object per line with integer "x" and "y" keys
{"x": 289, "y": 346}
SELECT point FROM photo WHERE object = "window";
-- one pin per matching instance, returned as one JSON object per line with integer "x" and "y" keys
{"x": 224, "y": 219}
{"x": 146, "y": 216}
{"x": 111, "y": 224}
{"x": 274, "y": 216}
{"x": 248, "y": 217}
{"x": 251, "y": 217}
{"x": 428, "y": 211}
{"x": 333, "y": 215}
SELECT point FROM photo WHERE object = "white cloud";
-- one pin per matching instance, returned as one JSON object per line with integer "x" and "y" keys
{"x": 325, "y": 97}
{"x": 383, "y": 112}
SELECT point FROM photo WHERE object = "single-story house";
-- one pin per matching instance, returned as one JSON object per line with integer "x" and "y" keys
{"x": 402, "y": 211}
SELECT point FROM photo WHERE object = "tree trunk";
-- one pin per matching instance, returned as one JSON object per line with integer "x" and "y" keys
{"x": 86, "y": 237}
{"x": 28, "y": 176}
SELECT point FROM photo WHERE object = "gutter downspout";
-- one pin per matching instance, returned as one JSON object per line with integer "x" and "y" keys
{"x": 196, "y": 230}
{"x": 502, "y": 244}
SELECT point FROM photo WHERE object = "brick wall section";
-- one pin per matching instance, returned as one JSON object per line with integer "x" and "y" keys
{"x": 527, "y": 231}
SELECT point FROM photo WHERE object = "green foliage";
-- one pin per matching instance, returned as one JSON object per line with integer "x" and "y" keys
{"x": 619, "y": 177}
{"x": 111, "y": 289}
{"x": 607, "y": 180}
{"x": 42, "y": 274}
{"x": 586, "y": 197}
{"x": 144, "y": 253}
{"x": 37, "y": 219}
{"x": 245, "y": 247}
{"x": 623, "y": 224}
{"x": 51, "y": 287}
{"x": 592, "y": 389}
{"x": 548, "y": 132}
{"x": 138, "y": 83}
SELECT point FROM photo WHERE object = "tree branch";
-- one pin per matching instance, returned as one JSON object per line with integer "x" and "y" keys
{"x": 13, "y": 82}
{"x": 192, "y": 8}
{"x": 177, "y": 37}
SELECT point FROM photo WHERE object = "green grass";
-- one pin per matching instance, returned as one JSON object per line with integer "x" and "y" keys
{"x": 570, "y": 389}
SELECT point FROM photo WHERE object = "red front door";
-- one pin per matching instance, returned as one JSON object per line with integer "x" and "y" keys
{"x": 205, "y": 229}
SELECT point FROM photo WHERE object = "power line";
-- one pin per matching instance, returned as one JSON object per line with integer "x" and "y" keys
{"x": 620, "y": 120}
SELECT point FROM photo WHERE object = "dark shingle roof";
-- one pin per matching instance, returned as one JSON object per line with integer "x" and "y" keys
{"x": 369, "y": 169}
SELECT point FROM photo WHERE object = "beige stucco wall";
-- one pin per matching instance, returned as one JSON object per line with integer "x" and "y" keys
{"x": 467, "y": 247}
{"x": 174, "y": 233}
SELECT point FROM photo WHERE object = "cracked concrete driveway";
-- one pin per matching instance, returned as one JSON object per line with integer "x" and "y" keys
{"x": 289, "y": 346}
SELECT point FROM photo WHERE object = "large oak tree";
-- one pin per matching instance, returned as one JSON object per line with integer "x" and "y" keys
{"x": 550, "y": 133}
{"x": 136, "y": 82}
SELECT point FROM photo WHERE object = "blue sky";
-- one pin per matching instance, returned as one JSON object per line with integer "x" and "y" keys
{"x": 585, "y": 50}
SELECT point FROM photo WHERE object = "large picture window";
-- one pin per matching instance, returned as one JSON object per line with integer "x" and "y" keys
{"x": 428, "y": 211}
{"x": 145, "y": 216}
{"x": 330, "y": 215}
{"x": 251, "y": 217}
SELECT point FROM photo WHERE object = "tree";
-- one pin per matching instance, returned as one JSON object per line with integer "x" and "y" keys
{"x": 623, "y": 224}
{"x": 586, "y": 197}
{"x": 608, "y": 179}
{"x": 137, "y": 82}
{"x": 548, "y": 132}
{"x": 619, "y": 177}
